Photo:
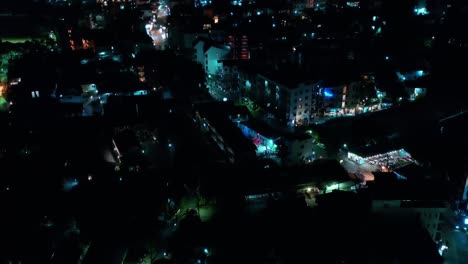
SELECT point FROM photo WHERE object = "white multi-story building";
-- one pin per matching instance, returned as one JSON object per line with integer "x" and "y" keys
{"x": 293, "y": 103}
{"x": 301, "y": 102}
{"x": 208, "y": 54}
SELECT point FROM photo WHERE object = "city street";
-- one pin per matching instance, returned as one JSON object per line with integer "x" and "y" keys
{"x": 156, "y": 27}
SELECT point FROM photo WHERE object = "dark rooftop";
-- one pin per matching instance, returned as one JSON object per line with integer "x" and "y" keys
{"x": 412, "y": 171}
{"x": 289, "y": 76}
{"x": 19, "y": 26}
{"x": 320, "y": 171}
{"x": 384, "y": 188}
{"x": 217, "y": 113}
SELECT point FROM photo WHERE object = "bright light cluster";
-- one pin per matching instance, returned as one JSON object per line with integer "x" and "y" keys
{"x": 421, "y": 11}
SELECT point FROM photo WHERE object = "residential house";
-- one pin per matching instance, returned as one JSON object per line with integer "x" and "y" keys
{"x": 288, "y": 94}
{"x": 208, "y": 54}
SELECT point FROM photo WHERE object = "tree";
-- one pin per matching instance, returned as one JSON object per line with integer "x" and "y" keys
{"x": 223, "y": 85}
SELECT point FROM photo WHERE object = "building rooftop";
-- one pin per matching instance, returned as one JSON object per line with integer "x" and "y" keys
{"x": 231, "y": 134}
{"x": 412, "y": 171}
{"x": 218, "y": 113}
{"x": 289, "y": 76}
{"x": 372, "y": 150}
{"x": 18, "y": 27}
{"x": 387, "y": 187}
{"x": 321, "y": 171}
{"x": 208, "y": 43}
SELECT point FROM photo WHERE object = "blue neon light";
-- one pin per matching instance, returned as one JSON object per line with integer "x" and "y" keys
{"x": 327, "y": 93}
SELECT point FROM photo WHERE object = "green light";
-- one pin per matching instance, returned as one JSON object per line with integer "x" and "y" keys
{"x": 3, "y": 104}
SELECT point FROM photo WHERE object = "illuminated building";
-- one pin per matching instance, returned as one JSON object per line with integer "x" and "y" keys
{"x": 287, "y": 94}
{"x": 208, "y": 53}
{"x": 299, "y": 147}
{"x": 380, "y": 158}
{"x": 263, "y": 137}
{"x": 239, "y": 46}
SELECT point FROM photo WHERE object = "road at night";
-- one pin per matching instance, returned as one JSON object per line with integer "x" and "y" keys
{"x": 156, "y": 29}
